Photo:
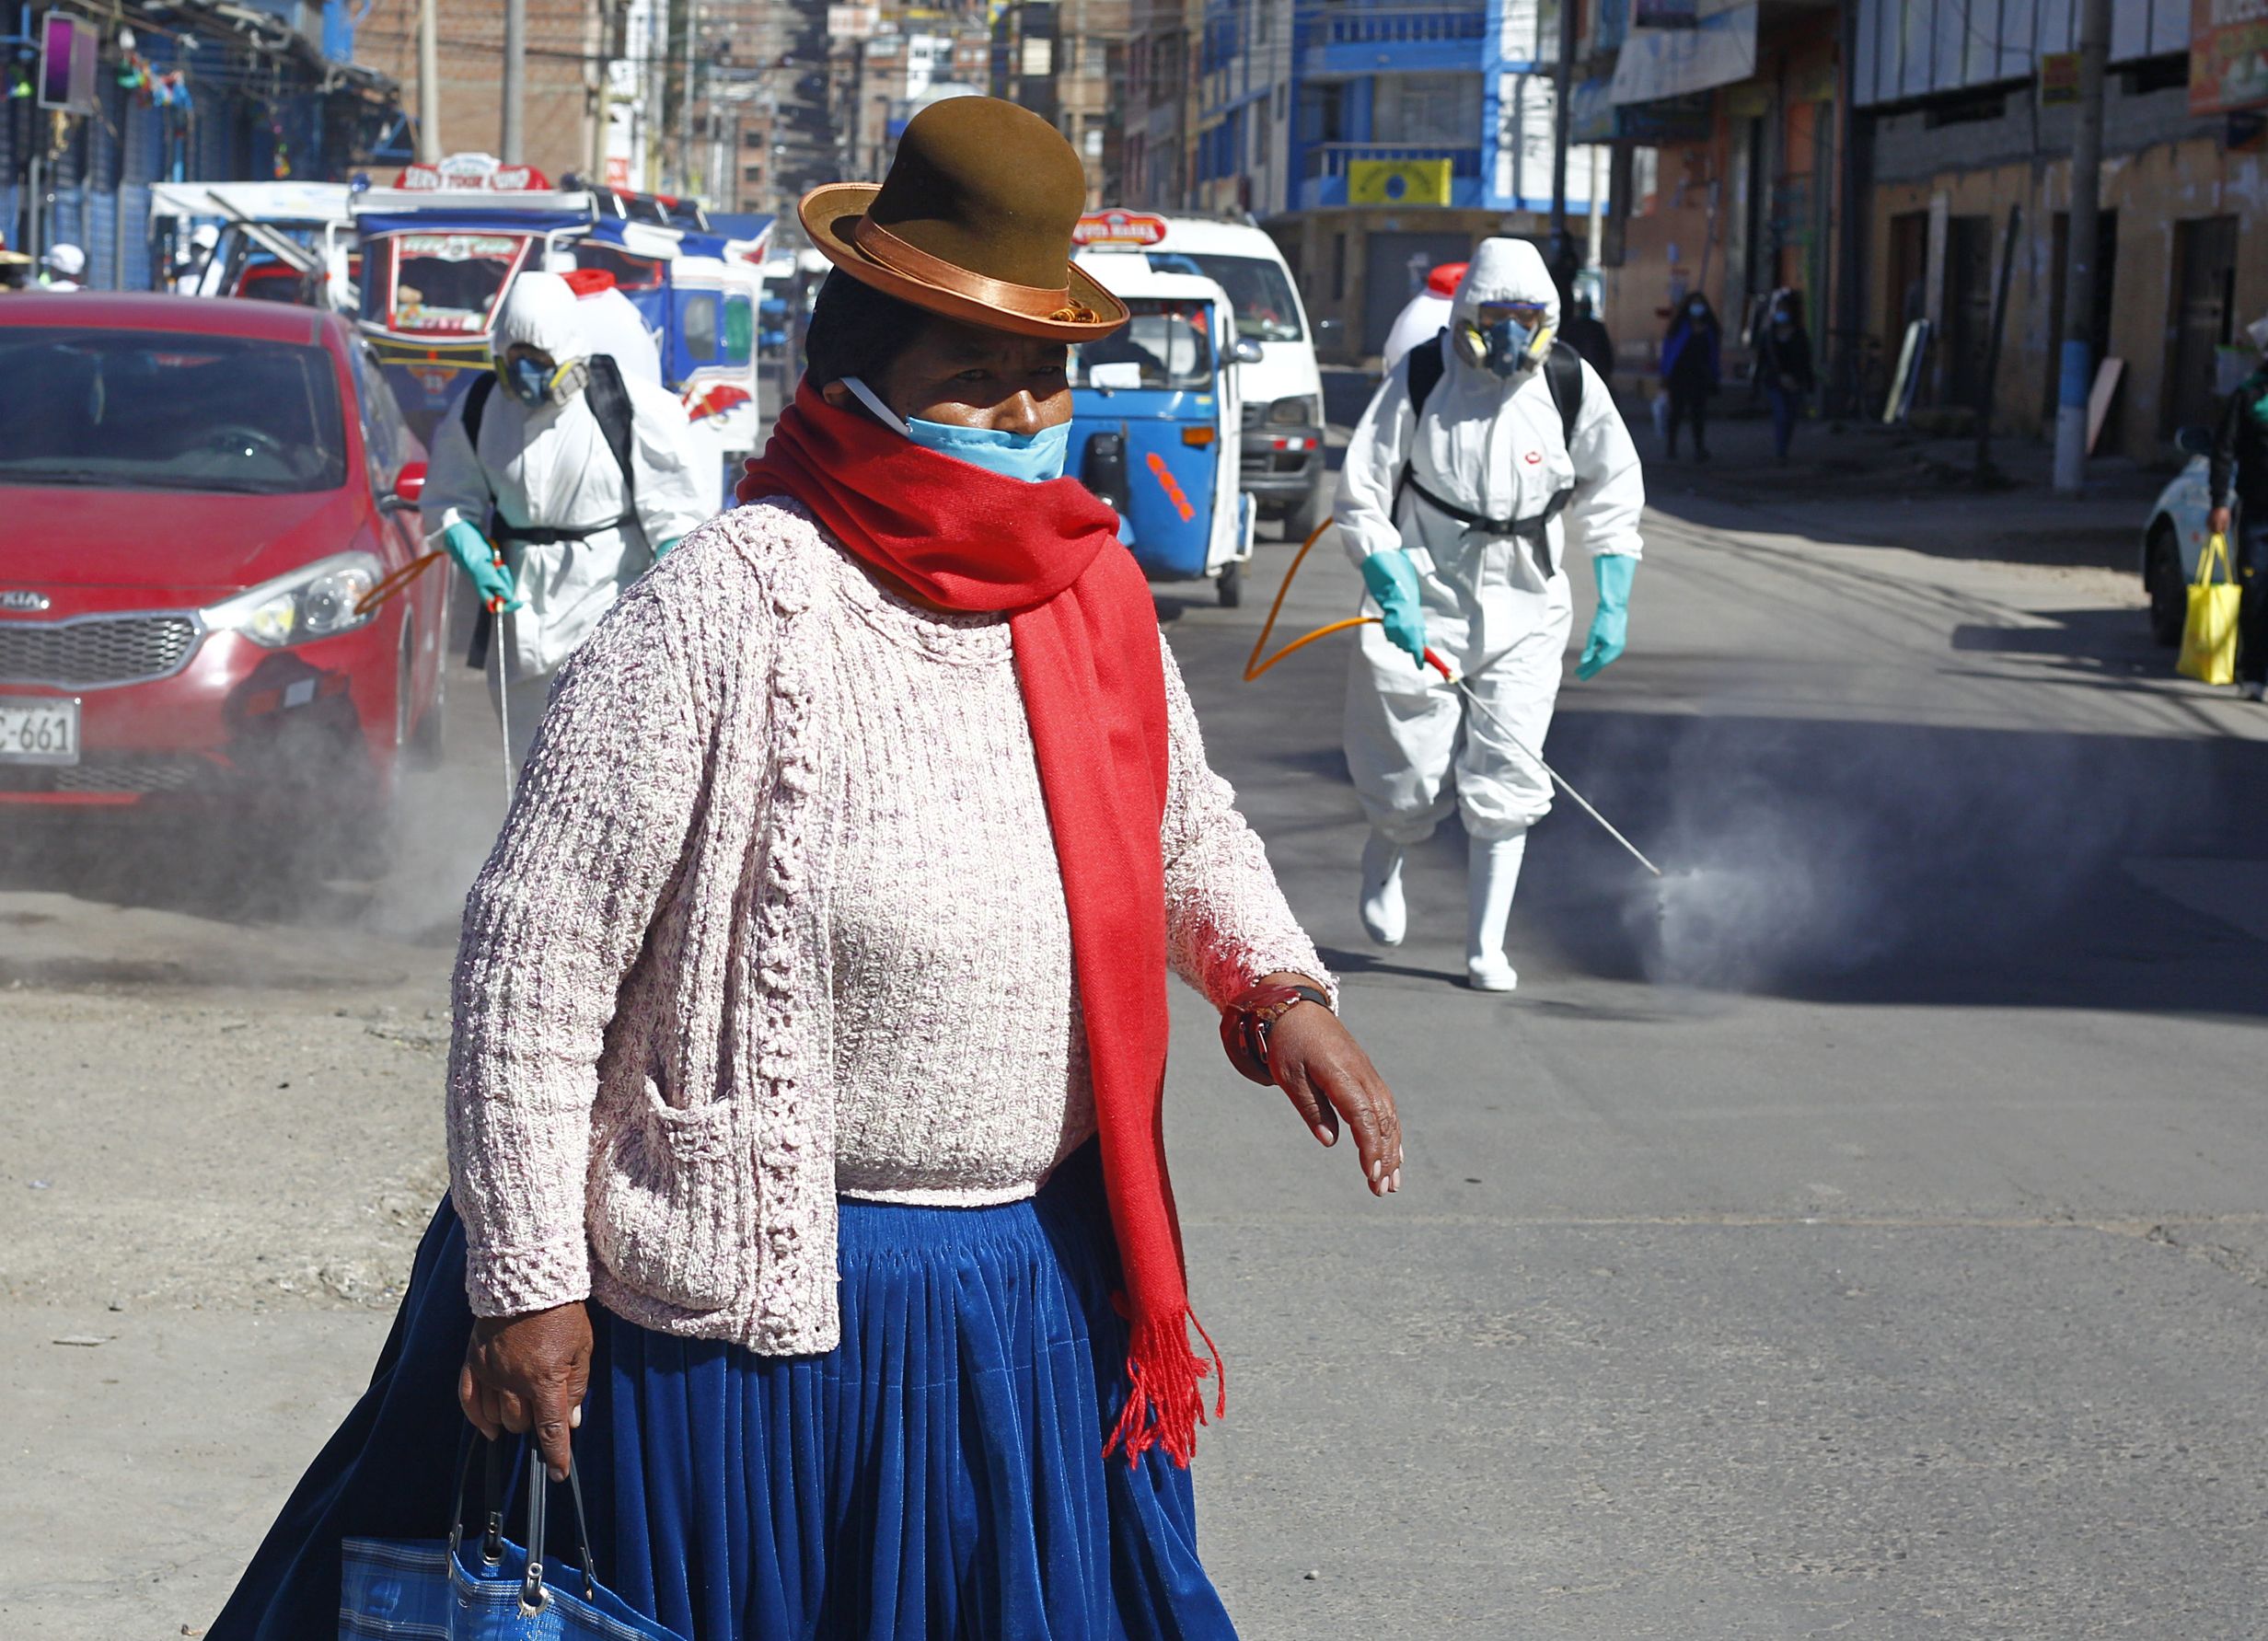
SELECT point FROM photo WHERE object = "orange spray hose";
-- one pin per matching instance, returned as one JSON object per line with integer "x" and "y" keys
{"x": 393, "y": 583}
{"x": 1254, "y": 666}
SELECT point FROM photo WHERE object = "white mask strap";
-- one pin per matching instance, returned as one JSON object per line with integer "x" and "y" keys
{"x": 883, "y": 414}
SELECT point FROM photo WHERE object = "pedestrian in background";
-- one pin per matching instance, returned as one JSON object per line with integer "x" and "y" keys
{"x": 1691, "y": 371}
{"x": 2238, "y": 480}
{"x": 63, "y": 268}
{"x": 1586, "y": 334}
{"x": 806, "y": 1153}
{"x": 1783, "y": 366}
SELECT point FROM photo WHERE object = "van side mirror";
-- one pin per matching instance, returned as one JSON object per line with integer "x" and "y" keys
{"x": 2194, "y": 440}
{"x": 1245, "y": 351}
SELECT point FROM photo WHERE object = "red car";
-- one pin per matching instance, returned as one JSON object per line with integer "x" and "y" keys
{"x": 196, "y": 496}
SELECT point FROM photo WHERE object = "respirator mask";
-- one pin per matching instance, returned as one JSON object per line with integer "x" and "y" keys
{"x": 1506, "y": 339}
{"x": 536, "y": 383}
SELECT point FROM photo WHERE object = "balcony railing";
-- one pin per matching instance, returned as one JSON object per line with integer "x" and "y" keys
{"x": 1378, "y": 25}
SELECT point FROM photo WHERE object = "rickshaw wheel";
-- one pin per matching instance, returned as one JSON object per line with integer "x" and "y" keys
{"x": 1230, "y": 586}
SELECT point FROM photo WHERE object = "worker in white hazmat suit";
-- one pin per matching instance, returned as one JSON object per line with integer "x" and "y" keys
{"x": 1462, "y": 510}
{"x": 1423, "y": 316}
{"x": 578, "y": 472}
{"x": 613, "y": 325}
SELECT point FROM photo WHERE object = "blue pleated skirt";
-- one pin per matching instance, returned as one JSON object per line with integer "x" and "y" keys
{"x": 939, "y": 1475}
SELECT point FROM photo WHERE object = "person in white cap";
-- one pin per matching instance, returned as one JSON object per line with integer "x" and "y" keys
{"x": 62, "y": 268}
{"x": 580, "y": 473}
{"x": 1485, "y": 455}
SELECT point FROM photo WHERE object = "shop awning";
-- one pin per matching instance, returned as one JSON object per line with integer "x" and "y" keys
{"x": 1662, "y": 62}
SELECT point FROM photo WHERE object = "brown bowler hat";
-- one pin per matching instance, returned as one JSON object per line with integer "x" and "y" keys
{"x": 973, "y": 220}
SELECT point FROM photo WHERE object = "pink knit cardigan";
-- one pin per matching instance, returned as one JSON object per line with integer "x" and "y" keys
{"x": 640, "y": 1102}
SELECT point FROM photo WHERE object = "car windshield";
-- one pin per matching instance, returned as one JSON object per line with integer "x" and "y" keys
{"x": 1258, "y": 291}
{"x": 146, "y": 410}
{"x": 441, "y": 284}
{"x": 1167, "y": 343}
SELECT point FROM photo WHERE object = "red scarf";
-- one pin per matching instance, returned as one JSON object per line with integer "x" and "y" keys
{"x": 1088, "y": 661}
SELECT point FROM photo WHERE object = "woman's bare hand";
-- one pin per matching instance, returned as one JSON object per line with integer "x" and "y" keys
{"x": 1318, "y": 1063}
{"x": 525, "y": 1373}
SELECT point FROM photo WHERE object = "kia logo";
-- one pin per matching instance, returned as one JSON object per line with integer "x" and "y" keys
{"x": 23, "y": 598}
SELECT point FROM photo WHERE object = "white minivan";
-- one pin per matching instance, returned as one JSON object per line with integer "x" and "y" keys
{"x": 1282, "y": 467}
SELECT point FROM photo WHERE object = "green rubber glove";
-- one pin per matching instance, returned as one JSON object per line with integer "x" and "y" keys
{"x": 1612, "y": 624}
{"x": 1392, "y": 581}
{"x": 472, "y": 551}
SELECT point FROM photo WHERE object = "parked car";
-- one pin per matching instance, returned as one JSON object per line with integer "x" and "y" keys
{"x": 195, "y": 496}
{"x": 2175, "y": 536}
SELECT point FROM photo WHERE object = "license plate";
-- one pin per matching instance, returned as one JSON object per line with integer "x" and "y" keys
{"x": 39, "y": 731}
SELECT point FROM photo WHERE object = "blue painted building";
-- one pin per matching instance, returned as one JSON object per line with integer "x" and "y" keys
{"x": 1377, "y": 140}
{"x": 249, "y": 91}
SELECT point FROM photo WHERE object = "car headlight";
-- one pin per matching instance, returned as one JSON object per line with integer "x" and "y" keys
{"x": 1299, "y": 410}
{"x": 314, "y": 601}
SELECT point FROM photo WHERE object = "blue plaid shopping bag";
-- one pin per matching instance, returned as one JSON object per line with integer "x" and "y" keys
{"x": 486, "y": 1588}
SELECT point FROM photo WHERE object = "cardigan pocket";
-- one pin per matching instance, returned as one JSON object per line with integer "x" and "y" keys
{"x": 672, "y": 1195}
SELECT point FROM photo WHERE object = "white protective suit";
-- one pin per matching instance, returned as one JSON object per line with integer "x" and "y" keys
{"x": 1422, "y": 319}
{"x": 612, "y": 325}
{"x": 550, "y": 467}
{"x": 1494, "y": 446}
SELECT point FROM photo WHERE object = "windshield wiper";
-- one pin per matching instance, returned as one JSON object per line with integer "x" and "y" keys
{"x": 56, "y": 476}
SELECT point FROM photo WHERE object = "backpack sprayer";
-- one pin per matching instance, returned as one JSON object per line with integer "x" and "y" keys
{"x": 1254, "y": 666}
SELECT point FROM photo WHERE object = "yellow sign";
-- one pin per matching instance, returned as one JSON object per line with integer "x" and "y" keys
{"x": 1397, "y": 182}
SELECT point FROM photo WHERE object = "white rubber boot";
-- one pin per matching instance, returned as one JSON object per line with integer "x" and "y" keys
{"x": 1385, "y": 916}
{"x": 1492, "y": 873}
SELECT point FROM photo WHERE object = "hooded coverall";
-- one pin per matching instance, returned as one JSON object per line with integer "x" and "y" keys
{"x": 550, "y": 467}
{"x": 1497, "y": 606}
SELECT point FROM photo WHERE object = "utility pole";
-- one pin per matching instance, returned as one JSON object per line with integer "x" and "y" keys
{"x": 1563, "y": 258}
{"x": 684, "y": 102}
{"x": 514, "y": 144}
{"x": 428, "y": 84}
{"x": 2078, "y": 364}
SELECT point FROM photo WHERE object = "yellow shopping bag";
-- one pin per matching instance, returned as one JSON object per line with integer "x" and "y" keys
{"x": 2209, "y": 635}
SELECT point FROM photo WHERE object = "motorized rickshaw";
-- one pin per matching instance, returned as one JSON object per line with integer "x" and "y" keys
{"x": 1157, "y": 426}
{"x": 439, "y": 252}
{"x": 698, "y": 291}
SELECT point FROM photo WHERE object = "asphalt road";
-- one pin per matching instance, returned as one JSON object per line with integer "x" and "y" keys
{"x": 1862, "y": 1235}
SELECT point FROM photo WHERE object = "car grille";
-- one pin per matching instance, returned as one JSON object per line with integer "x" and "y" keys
{"x": 94, "y": 651}
{"x": 109, "y": 772}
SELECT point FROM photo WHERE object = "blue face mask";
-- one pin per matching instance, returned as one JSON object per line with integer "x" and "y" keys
{"x": 1033, "y": 458}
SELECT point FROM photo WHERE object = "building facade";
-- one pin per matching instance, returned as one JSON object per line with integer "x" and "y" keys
{"x": 268, "y": 89}
{"x": 1965, "y": 127}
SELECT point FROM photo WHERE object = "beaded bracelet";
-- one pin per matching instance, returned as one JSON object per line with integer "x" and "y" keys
{"x": 1248, "y": 1021}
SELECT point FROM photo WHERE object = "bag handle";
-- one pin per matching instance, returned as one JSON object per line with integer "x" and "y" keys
{"x": 2216, "y": 551}
{"x": 532, "y": 1597}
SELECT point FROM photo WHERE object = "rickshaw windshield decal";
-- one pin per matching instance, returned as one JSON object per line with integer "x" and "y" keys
{"x": 442, "y": 285}
{"x": 1165, "y": 344}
